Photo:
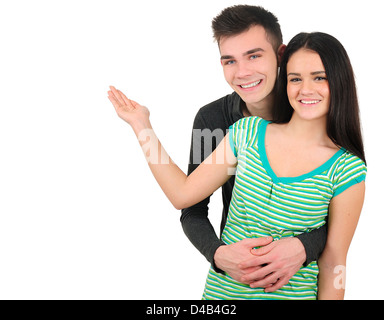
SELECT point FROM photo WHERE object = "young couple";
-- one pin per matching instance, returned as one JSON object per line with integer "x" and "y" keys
{"x": 294, "y": 141}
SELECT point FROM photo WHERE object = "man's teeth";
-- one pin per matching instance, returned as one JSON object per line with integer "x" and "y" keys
{"x": 310, "y": 102}
{"x": 254, "y": 84}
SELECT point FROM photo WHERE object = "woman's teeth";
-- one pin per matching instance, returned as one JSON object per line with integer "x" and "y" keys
{"x": 310, "y": 101}
{"x": 254, "y": 84}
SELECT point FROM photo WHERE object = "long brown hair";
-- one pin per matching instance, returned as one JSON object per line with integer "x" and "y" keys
{"x": 343, "y": 124}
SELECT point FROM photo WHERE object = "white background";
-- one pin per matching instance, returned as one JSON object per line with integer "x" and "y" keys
{"x": 80, "y": 215}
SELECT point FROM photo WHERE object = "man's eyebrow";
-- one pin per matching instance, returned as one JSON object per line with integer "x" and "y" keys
{"x": 253, "y": 51}
{"x": 229, "y": 57}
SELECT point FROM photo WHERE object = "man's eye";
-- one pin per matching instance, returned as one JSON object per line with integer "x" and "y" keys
{"x": 254, "y": 57}
{"x": 229, "y": 62}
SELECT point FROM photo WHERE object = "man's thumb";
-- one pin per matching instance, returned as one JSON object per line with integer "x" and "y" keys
{"x": 259, "y": 242}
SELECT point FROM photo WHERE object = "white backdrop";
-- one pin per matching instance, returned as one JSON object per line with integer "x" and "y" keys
{"x": 80, "y": 215}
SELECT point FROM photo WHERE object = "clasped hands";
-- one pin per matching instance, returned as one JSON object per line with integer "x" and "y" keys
{"x": 271, "y": 266}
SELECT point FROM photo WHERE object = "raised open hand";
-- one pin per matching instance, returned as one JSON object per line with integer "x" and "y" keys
{"x": 128, "y": 110}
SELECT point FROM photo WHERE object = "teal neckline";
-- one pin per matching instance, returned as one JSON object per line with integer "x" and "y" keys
{"x": 271, "y": 173}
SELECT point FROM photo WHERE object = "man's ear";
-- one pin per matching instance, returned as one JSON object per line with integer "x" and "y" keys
{"x": 280, "y": 52}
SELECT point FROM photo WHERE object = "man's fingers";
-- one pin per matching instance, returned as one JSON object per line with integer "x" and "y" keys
{"x": 262, "y": 250}
{"x": 258, "y": 274}
{"x": 258, "y": 242}
{"x": 254, "y": 243}
{"x": 254, "y": 262}
{"x": 280, "y": 282}
{"x": 266, "y": 282}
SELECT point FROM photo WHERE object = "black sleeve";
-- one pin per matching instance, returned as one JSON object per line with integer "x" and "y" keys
{"x": 314, "y": 243}
{"x": 194, "y": 220}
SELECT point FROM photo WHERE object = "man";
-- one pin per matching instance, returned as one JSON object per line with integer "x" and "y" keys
{"x": 250, "y": 45}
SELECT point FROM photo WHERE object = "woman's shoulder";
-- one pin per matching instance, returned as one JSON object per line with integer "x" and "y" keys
{"x": 348, "y": 161}
{"x": 249, "y": 123}
{"x": 348, "y": 170}
{"x": 245, "y": 132}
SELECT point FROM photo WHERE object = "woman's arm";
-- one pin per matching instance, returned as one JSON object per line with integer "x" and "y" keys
{"x": 181, "y": 190}
{"x": 344, "y": 213}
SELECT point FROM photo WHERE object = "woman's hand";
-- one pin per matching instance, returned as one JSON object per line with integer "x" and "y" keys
{"x": 128, "y": 110}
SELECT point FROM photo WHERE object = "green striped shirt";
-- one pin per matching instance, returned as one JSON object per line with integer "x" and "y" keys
{"x": 263, "y": 204}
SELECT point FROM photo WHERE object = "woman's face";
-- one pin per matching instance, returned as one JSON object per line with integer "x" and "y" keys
{"x": 308, "y": 88}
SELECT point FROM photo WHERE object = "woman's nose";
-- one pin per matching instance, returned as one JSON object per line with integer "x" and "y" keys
{"x": 306, "y": 88}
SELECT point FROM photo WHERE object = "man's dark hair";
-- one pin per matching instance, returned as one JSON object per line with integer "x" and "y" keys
{"x": 240, "y": 18}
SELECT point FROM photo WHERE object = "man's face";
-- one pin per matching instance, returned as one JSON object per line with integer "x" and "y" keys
{"x": 250, "y": 64}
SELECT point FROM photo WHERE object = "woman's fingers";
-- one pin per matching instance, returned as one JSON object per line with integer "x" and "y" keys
{"x": 121, "y": 100}
{"x": 117, "y": 95}
{"x": 126, "y": 100}
{"x": 114, "y": 102}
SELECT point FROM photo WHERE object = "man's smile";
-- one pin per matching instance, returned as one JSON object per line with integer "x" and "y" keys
{"x": 250, "y": 85}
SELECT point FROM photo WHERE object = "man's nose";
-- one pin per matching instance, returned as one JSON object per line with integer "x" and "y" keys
{"x": 243, "y": 70}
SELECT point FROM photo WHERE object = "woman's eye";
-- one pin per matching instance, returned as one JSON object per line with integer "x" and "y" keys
{"x": 294, "y": 80}
{"x": 321, "y": 79}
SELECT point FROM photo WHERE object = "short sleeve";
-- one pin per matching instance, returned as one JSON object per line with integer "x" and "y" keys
{"x": 243, "y": 132}
{"x": 231, "y": 140}
{"x": 351, "y": 170}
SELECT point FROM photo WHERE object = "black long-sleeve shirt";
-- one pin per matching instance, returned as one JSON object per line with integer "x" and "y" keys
{"x": 210, "y": 126}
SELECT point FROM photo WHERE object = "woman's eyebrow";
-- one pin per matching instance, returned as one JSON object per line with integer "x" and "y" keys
{"x": 317, "y": 72}
{"x": 312, "y": 73}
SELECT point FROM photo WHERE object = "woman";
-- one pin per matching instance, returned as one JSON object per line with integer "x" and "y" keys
{"x": 291, "y": 174}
